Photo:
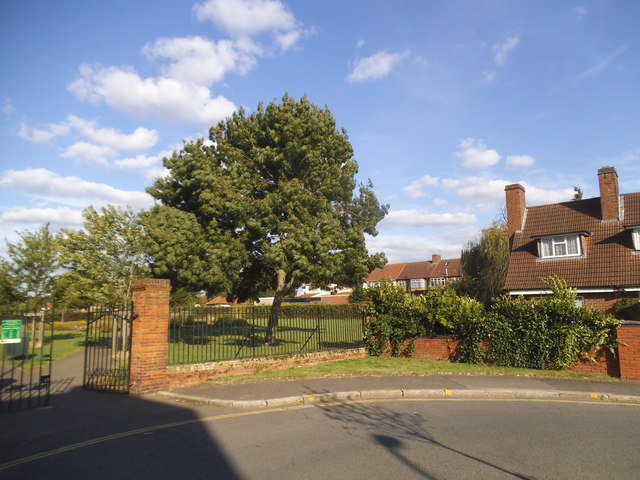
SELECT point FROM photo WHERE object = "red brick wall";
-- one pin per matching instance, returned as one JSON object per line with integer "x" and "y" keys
{"x": 605, "y": 302}
{"x": 629, "y": 351}
{"x": 605, "y": 363}
{"x": 445, "y": 349}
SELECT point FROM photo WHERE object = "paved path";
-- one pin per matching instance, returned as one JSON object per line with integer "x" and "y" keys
{"x": 292, "y": 392}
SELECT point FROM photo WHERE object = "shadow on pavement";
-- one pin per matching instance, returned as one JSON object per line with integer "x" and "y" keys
{"x": 392, "y": 430}
{"x": 84, "y": 434}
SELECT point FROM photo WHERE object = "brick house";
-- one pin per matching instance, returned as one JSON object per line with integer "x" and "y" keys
{"x": 593, "y": 244}
{"x": 418, "y": 276}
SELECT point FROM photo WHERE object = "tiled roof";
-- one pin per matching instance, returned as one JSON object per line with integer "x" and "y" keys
{"x": 609, "y": 259}
{"x": 407, "y": 271}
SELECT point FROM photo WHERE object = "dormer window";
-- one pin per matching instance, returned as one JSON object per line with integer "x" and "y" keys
{"x": 636, "y": 238}
{"x": 560, "y": 246}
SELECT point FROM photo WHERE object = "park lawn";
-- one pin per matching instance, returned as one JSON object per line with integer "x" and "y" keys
{"x": 240, "y": 339}
{"x": 381, "y": 366}
{"x": 64, "y": 344}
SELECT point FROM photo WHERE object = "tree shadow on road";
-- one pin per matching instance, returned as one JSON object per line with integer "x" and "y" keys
{"x": 392, "y": 430}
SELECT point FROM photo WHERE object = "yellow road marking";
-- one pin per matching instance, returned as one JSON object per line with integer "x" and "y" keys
{"x": 116, "y": 436}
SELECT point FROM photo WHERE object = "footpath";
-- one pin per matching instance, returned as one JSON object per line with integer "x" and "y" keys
{"x": 312, "y": 390}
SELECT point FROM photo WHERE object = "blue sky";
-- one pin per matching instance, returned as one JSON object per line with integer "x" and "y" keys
{"x": 445, "y": 102}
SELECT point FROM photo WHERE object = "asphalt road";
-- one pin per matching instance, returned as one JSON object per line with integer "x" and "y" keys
{"x": 411, "y": 438}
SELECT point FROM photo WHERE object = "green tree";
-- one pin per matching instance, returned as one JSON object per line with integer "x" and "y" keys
{"x": 106, "y": 257}
{"x": 275, "y": 200}
{"x": 577, "y": 193}
{"x": 7, "y": 290}
{"x": 30, "y": 274}
{"x": 485, "y": 262}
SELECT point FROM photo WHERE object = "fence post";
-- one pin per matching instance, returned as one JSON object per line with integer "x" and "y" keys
{"x": 150, "y": 335}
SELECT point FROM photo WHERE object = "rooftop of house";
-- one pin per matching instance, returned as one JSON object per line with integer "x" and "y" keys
{"x": 436, "y": 268}
{"x": 608, "y": 259}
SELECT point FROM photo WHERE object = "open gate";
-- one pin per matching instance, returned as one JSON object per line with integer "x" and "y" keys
{"x": 26, "y": 342}
{"x": 107, "y": 357}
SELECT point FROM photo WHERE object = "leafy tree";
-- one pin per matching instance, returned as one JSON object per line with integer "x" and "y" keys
{"x": 578, "y": 193}
{"x": 106, "y": 257}
{"x": 485, "y": 262}
{"x": 30, "y": 273}
{"x": 274, "y": 200}
{"x": 7, "y": 290}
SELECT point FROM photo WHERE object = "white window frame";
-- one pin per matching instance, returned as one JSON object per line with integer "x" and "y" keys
{"x": 417, "y": 283}
{"x": 635, "y": 233}
{"x": 437, "y": 282}
{"x": 557, "y": 243}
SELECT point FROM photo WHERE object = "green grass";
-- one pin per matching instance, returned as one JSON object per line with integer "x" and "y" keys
{"x": 379, "y": 366}
{"x": 64, "y": 344}
{"x": 238, "y": 339}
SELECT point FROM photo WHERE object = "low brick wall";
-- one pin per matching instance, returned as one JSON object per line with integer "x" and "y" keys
{"x": 184, "y": 375}
{"x": 445, "y": 349}
{"x": 605, "y": 363}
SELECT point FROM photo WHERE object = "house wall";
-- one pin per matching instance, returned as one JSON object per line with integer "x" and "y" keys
{"x": 606, "y": 302}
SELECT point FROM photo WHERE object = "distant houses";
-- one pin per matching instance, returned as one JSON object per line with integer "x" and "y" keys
{"x": 418, "y": 276}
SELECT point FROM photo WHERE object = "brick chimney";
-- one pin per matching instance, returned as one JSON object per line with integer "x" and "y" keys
{"x": 515, "y": 207}
{"x": 435, "y": 258}
{"x": 609, "y": 194}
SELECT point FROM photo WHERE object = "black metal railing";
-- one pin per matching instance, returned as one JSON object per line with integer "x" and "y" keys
{"x": 25, "y": 357}
{"x": 211, "y": 334}
{"x": 108, "y": 349}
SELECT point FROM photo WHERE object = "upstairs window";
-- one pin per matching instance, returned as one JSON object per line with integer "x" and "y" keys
{"x": 636, "y": 238}
{"x": 560, "y": 246}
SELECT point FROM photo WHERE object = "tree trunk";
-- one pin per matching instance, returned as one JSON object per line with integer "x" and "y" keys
{"x": 282, "y": 289}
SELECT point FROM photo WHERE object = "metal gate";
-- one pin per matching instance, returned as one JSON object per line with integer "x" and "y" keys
{"x": 26, "y": 347}
{"x": 107, "y": 357}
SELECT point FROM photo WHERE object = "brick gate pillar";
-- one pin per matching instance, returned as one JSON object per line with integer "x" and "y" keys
{"x": 629, "y": 351}
{"x": 150, "y": 335}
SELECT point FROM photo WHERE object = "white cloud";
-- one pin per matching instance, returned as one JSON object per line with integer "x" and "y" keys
{"x": 414, "y": 189}
{"x": 580, "y": 12}
{"x": 43, "y": 183}
{"x": 501, "y": 50}
{"x": 199, "y": 60}
{"x": 137, "y": 162}
{"x": 409, "y": 248}
{"x": 89, "y": 154}
{"x": 520, "y": 161}
{"x": 140, "y": 139}
{"x": 41, "y": 135}
{"x": 416, "y": 218}
{"x": 376, "y": 66}
{"x": 62, "y": 216}
{"x": 542, "y": 196}
{"x": 242, "y": 18}
{"x": 167, "y": 98}
{"x": 476, "y": 155}
{"x": 440, "y": 202}
{"x": 479, "y": 189}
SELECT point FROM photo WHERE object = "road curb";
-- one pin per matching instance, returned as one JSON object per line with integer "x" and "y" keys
{"x": 408, "y": 393}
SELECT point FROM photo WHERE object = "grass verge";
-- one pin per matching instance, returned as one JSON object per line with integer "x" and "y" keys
{"x": 379, "y": 366}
